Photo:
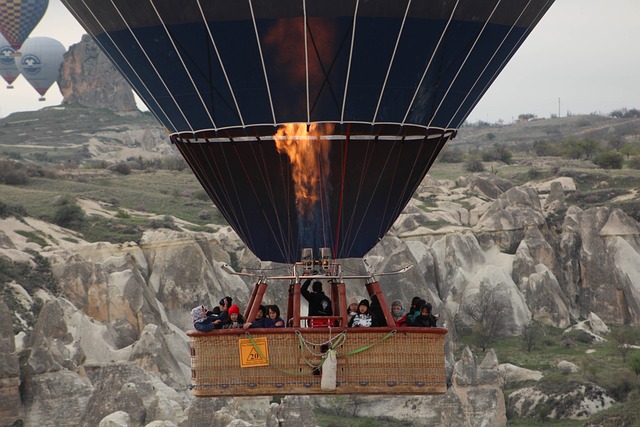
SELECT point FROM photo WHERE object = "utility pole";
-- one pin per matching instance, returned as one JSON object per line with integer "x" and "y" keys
{"x": 559, "y": 108}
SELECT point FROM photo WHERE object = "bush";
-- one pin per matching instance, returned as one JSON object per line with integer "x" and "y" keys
{"x": 122, "y": 168}
{"x": 205, "y": 215}
{"x": 634, "y": 163}
{"x": 609, "y": 160}
{"x": 580, "y": 336}
{"x": 451, "y": 155}
{"x": 7, "y": 210}
{"x": 474, "y": 165}
{"x": 122, "y": 214}
{"x": 69, "y": 215}
{"x": 166, "y": 222}
{"x": 13, "y": 173}
{"x": 201, "y": 195}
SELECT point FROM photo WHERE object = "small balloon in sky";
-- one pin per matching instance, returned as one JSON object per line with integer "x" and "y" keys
{"x": 40, "y": 62}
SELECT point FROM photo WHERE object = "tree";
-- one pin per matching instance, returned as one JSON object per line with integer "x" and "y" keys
{"x": 489, "y": 310}
{"x": 615, "y": 143}
{"x": 530, "y": 335}
{"x": 624, "y": 340}
{"x": 634, "y": 365}
{"x": 628, "y": 150}
{"x": 589, "y": 147}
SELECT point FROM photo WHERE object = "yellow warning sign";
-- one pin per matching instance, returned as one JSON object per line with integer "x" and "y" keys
{"x": 249, "y": 354}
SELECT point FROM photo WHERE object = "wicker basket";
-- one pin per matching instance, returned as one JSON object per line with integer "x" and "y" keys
{"x": 370, "y": 361}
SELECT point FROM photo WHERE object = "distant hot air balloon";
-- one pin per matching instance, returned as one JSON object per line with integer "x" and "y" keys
{"x": 8, "y": 69}
{"x": 19, "y": 17}
{"x": 40, "y": 62}
{"x": 310, "y": 123}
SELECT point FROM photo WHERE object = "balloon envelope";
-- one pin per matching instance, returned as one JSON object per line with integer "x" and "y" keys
{"x": 8, "y": 69}
{"x": 40, "y": 62}
{"x": 377, "y": 87}
{"x": 18, "y": 18}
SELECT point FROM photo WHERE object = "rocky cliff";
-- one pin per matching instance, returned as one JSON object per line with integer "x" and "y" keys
{"x": 110, "y": 346}
{"x": 87, "y": 77}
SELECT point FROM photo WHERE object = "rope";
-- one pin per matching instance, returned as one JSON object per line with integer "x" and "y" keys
{"x": 333, "y": 343}
{"x": 367, "y": 347}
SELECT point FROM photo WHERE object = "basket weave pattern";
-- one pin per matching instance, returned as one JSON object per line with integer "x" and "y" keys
{"x": 390, "y": 361}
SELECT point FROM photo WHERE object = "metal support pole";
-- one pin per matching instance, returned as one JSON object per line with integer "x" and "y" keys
{"x": 339, "y": 297}
{"x": 261, "y": 288}
{"x": 293, "y": 306}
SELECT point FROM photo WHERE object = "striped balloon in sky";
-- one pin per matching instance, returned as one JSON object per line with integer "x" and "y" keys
{"x": 19, "y": 17}
{"x": 8, "y": 69}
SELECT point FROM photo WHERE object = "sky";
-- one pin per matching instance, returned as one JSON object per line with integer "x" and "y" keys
{"x": 582, "y": 58}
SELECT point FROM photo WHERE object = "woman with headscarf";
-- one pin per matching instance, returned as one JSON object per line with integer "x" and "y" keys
{"x": 425, "y": 318}
{"x": 397, "y": 311}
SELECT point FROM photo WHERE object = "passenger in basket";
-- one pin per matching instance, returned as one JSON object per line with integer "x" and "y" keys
{"x": 261, "y": 321}
{"x": 425, "y": 319}
{"x": 204, "y": 320}
{"x": 235, "y": 320}
{"x": 417, "y": 307}
{"x": 319, "y": 303}
{"x": 397, "y": 311}
{"x": 375, "y": 309}
{"x": 363, "y": 318}
{"x": 274, "y": 315}
{"x": 352, "y": 310}
{"x": 413, "y": 307}
{"x": 224, "y": 305}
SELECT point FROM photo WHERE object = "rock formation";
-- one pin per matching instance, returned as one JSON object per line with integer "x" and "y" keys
{"x": 87, "y": 77}
{"x": 9, "y": 369}
{"x": 111, "y": 344}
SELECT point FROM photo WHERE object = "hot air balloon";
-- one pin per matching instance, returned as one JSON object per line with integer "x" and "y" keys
{"x": 310, "y": 124}
{"x": 40, "y": 62}
{"x": 18, "y": 18}
{"x": 8, "y": 69}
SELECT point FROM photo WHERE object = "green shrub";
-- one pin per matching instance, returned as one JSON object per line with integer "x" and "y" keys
{"x": 122, "y": 214}
{"x": 69, "y": 215}
{"x": 122, "y": 168}
{"x": 13, "y": 173}
{"x": 609, "y": 160}
{"x": 7, "y": 210}
{"x": 205, "y": 215}
{"x": 634, "y": 163}
{"x": 451, "y": 155}
{"x": 474, "y": 165}
{"x": 580, "y": 336}
{"x": 166, "y": 222}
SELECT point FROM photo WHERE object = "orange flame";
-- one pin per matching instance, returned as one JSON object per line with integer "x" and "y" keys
{"x": 309, "y": 157}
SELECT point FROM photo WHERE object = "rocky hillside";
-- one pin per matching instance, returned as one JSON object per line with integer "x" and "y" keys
{"x": 101, "y": 322}
{"x": 92, "y": 327}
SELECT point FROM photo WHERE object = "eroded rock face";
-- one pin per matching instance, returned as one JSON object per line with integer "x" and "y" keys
{"x": 600, "y": 249}
{"x": 9, "y": 369}
{"x": 88, "y": 78}
{"x": 574, "y": 401}
{"x": 475, "y": 399}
